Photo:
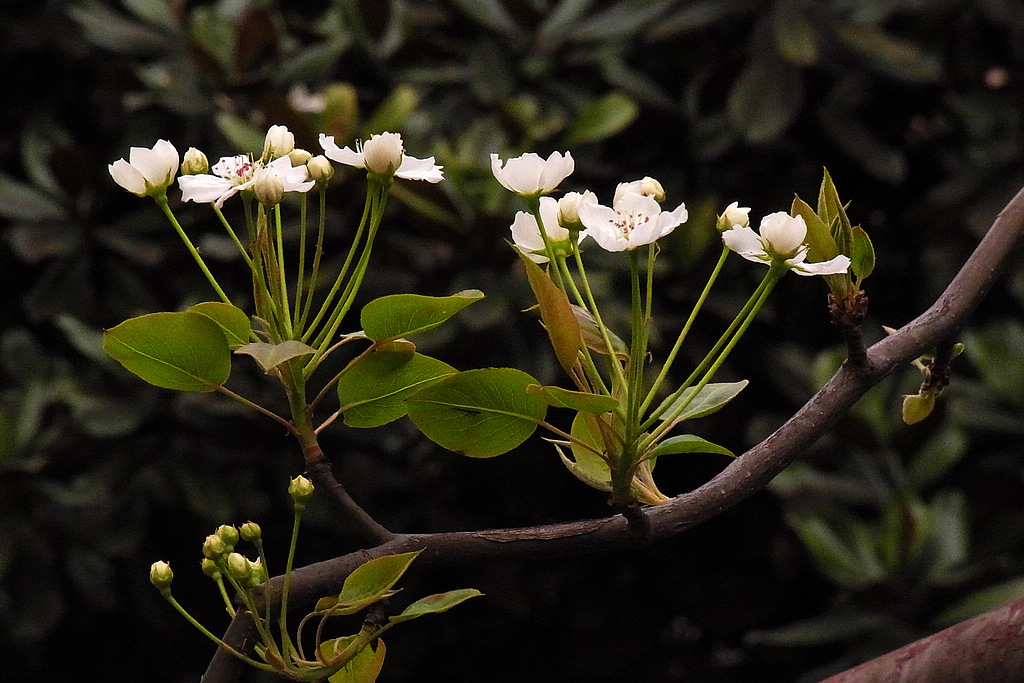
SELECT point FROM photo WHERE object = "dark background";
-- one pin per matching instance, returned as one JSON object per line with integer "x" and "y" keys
{"x": 880, "y": 534}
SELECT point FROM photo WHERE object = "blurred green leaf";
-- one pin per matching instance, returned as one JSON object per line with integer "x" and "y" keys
{"x": 478, "y": 413}
{"x": 766, "y": 97}
{"x": 491, "y": 14}
{"x": 182, "y": 351}
{"x": 621, "y": 21}
{"x": 843, "y": 547}
{"x": 890, "y": 55}
{"x": 241, "y": 134}
{"x": 603, "y": 118}
{"x": 980, "y": 601}
{"x": 796, "y": 37}
{"x": 216, "y": 34}
{"x": 948, "y": 542}
{"x": 373, "y": 390}
{"x": 111, "y": 30}
{"x": 937, "y": 456}
{"x": 393, "y": 112}
{"x": 22, "y": 202}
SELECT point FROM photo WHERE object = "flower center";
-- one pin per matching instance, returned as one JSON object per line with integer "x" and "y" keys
{"x": 625, "y": 223}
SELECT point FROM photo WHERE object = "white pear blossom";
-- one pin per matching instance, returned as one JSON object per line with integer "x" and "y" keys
{"x": 634, "y": 220}
{"x": 383, "y": 155}
{"x": 279, "y": 143}
{"x": 569, "y": 207}
{"x": 526, "y": 233}
{"x": 237, "y": 173}
{"x": 147, "y": 171}
{"x": 735, "y": 214}
{"x": 529, "y": 174}
{"x": 781, "y": 238}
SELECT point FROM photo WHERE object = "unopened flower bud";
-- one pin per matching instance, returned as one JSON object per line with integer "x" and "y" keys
{"x": 299, "y": 157}
{"x": 228, "y": 534}
{"x": 569, "y": 208}
{"x": 239, "y": 567}
{"x": 194, "y": 163}
{"x": 279, "y": 143}
{"x": 320, "y": 169}
{"x": 259, "y": 573}
{"x": 160, "y": 575}
{"x": 214, "y": 547}
{"x": 300, "y": 489}
{"x": 250, "y": 531}
{"x": 734, "y": 215}
{"x": 210, "y": 568}
{"x": 917, "y": 407}
{"x": 383, "y": 153}
{"x": 648, "y": 186}
{"x": 268, "y": 187}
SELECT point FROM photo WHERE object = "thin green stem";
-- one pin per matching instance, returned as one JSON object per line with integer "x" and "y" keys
{"x": 282, "y": 618}
{"x": 202, "y": 629}
{"x": 314, "y": 275}
{"x": 637, "y": 349}
{"x": 300, "y": 275}
{"x": 231, "y": 232}
{"x": 255, "y": 406}
{"x": 660, "y": 379}
{"x": 161, "y": 201}
{"x": 326, "y": 305}
{"x": 286, "y": 317}
{"x": 775, "y": 273}
{"x": 618, "y": 377}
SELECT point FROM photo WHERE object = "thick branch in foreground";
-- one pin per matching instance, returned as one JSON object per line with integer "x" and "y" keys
{"x": 988, "y": 648}
{"x": 743, "y": 477}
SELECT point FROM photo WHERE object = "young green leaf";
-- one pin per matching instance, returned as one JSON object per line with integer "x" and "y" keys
{"x": 862, "y": 254}
{"x": 687, "y": 443}
{"x": 269, "y": 356}
{"x": 183, "y": 351}
{"x": 556, "y": 313}
{"x": 432, "y": 604}
{"x": 364, "y": 667}
{"x": 556, "y": 397}
{"x": 403, "y": 315}
{"x": 233, "y": 321}
{"x": 370, "y": 582}
{"x": 479, "y": 413}
{"x": 833, "y": 214}
{"x": 708, "y": 400}
{"x": 586, "y": 465}
{"x": 822, "y": 246}
{"x": 604, "y": 117}
{"x": 373, "y": 390}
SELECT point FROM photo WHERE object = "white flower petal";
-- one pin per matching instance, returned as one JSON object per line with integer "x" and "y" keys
{"x": 128, "y": 177}
{"x": 784, "y": 233}
{"x": 746, "y": 243}
{"x": 343, "y": 155}
{"x": 833, "y": 266}
{"x": 528, "y": 174}
{"x": 206, "y": 188}
{"x": 420, "y": 169}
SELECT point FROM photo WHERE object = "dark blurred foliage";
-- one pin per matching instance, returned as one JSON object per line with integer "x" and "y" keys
{"x": 880, "y": 534}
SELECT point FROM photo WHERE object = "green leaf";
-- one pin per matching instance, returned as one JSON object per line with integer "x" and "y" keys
{"x": 479, "y": 413}
{"x": 591, "y": 335}
{"x": 269, "y": 356}
{"x": 234, "y": 322}
{"x": 369, "y": 582}
{"x": 687, "y": 443}
{"x": 833, "y": 214}
{"x": 862, "y": 253}
{"x": 373, "y": 390}
{"x": 819, "y": 237}
{"x": 432, "y": 604}
{"x": 708, "y": 400}
{"x": 603, "y": 118}
{"x": 843, "y": 547}
{"x": 183, "y": 351}
{"x": 586, "y": 465}
{"x": 556, "y": 313}
{"x": 364, "y": 667}
{"x": 403, "y": 315}
{"x": 584, "y": 401}
{"x": 890, "y": 55}
{"x": 981, "y": 601}
{"x": 795, "y": 35}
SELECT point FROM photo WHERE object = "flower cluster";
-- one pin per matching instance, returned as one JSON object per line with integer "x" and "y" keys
{"x": 281, "y": 168}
